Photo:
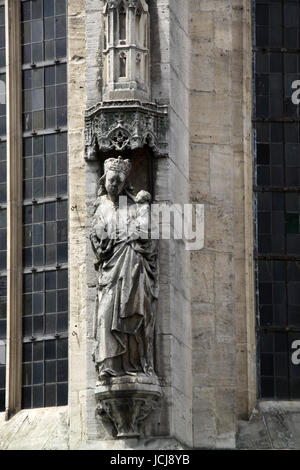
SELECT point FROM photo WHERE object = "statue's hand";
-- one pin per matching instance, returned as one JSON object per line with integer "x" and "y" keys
{"x": 94, "y": 239}
{"x": 100, "y": 231}
{"x": 137, "y": 232}
{"x": 133, "y": 236}
{"x": 103, "y": 250}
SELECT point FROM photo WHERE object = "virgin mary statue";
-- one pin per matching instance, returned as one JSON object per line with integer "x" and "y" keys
{"x": 127, "y": 275}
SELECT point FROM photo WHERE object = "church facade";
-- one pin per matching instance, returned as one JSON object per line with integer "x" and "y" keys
{"x": 195, "y": 104}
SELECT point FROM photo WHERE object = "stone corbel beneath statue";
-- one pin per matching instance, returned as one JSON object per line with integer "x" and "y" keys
{"x": 127, "y": 402}
{"x": 126, "y": 125}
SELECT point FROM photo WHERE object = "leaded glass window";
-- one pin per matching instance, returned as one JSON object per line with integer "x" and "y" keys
{"x": 45, "y": 97}
{"x": 277, "y": 189}
{"x": 45, "y": 204}
{"x": 43, "y": 30}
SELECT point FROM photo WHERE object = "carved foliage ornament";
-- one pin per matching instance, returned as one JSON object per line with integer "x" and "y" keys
{"x": 128, "y": 3}
{"x": 136, "y": 410}
{"x": 126, "y": 125}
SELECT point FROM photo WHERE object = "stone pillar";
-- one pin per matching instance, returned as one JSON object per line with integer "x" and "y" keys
{"x": 77, "y": 220}
{"x": 220, "y": 176}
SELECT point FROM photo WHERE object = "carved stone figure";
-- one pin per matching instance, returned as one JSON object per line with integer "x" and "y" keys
{"x": 127, "y": 276}
{"x": 127, "y": 390}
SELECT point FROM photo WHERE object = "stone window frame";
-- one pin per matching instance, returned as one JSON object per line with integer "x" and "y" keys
{"x": 14, "y": 206}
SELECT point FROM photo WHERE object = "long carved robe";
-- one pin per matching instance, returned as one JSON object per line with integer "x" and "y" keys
{"x": 127, "y": 289}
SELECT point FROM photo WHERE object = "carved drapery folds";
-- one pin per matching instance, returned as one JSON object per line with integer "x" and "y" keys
{"x": 126, "y": 125}
{"x": 126, "y": 260}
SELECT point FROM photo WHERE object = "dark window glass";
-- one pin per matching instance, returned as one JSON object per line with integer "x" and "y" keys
{"x": 45, "y": 236}
{"x": 42, "y": 21}
{"x": 2, "y": 36}
{"x": 277, "y": 194}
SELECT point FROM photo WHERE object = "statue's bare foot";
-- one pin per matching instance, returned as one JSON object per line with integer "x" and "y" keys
{"x": 107, "y": 373}
{"x": 149, "y": 371}
{"x": 130, "y": 373}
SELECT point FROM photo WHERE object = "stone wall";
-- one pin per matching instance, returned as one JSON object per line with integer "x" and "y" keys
{"x": 220, "y": 177}
{"x": 77, "y": 222}
{"x": 179, "y": 267}
{"x": 93, "y": 31}
{"x": 205, "y": 345}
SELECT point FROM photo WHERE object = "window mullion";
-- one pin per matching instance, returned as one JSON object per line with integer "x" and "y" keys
{"x": 14, "y": 207}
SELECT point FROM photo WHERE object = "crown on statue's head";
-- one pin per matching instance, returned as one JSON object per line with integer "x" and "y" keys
{"x": 118, "y": 164}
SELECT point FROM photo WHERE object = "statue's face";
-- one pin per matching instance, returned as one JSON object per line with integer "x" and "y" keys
{"x": 114, "y": 182}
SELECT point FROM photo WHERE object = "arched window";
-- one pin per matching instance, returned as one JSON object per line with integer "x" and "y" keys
{"x": 145, "y": 31}
{"x": 105, "y": 35}
{"x": 122, "y": 22}
{"x": 138, "y": 18}
{"x": 146, "y": 74}
{"x": 138, "y": 66}
{"x": 122, "y": 71}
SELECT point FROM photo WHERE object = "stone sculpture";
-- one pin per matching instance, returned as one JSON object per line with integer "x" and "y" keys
{"x": 126, "y": 262}
{"x": 127, "y": 390}
{"x": 127, "y": 267}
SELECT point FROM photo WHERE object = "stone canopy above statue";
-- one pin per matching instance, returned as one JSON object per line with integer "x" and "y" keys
{"x": 125, "y": 125}
{"x": 126, "y": 119}
{"x": 126, "y": 50}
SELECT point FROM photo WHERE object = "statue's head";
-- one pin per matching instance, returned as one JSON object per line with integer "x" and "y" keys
{"x": 114, "y": 182}
{"x": 116, "y": 172}
{"x": 118, "y": 165}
